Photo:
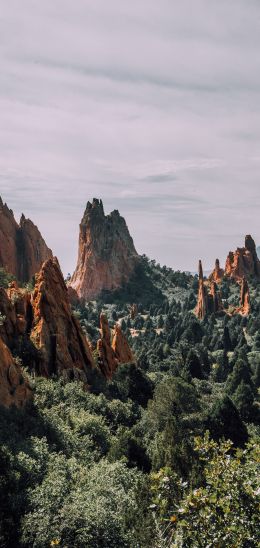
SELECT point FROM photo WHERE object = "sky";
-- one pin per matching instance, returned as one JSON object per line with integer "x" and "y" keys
{"x": 152, "y": 106}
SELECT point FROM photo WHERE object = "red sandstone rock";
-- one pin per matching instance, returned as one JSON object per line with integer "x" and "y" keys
{"x": 22, "y": 248}
{"x": 245, "y": 306}
{"x": 16, "y": 309}
{"x": 14, "y": 388}
{"x": 106, "y": 256}
{"x": 56, "y": 333}
{"x": 217, "y": 274}
{"x": 122, "y": 350}
{"x": 107, "y": 360}
{"x": 208, "y": 302}
{"x": 202, "y": 304}
{"x": 243, "y": 262}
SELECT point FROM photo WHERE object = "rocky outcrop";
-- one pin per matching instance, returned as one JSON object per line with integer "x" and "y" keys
{"x": 15, "y": 308}
{"x": 14, "y": 388}
{"x": 121, "y": 348}
{"x": 112, "y": 353}
{"x": 217, "y": 274}
{"x": 244, "y": 308}
{"x": 107, "y": 360}
{"x": 106, "y": 255}
{"x": 243, "y": 261}
{"x": 56, "y": 333}
{"x": 202, "y": 303}
{"x": 209, "y": 301}
{"x": 22, "y": 248}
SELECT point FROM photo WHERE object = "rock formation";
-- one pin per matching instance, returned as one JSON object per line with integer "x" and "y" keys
{"x": 208, "y": 301}
{"x": 122, "y": 350}
{"x": 56, "y": 333}
{"x": 243, "y": 262}
{"x": 22, "y": 248}
{"x": 106, "y": 255}
{"x": 15, "y": 308}
{"x": 112, "y": 354}
{"x": 14, "y": 388}
{"x": 217, "y": 274}
{"x": 244, "y": 308}
{"x": 202, "y": 303}
{"x": 107, "y": 360}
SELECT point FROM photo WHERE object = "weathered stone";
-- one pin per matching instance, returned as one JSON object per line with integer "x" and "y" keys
{"x": 22, "y": 248}
{"x": 217, "y": 274}
{"x": 56, "y": 333}
{"x": 243, "y": 262}
{"x": 14, "y": 388}
{"x": 106, "y": 256}
{"x": 122, "y": 350}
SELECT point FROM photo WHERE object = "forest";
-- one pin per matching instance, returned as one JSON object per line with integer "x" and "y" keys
{"x": 166, "y": 453}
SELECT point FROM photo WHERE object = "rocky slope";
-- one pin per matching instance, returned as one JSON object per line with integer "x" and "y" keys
{"x": 22, "y": 248}
{"x": 106, "y": 255}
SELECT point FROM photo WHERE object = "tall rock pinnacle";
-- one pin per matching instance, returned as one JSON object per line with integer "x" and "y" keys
{"x": 22, "y": 248}
{"x": 106, "y": 255}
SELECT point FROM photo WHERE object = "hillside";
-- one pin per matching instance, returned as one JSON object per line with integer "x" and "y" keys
{"x": 132, "y": 419}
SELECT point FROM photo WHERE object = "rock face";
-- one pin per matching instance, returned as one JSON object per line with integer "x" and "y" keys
{"x": 14, "y": 388}
{"x": 15, "y": 307}
{"x": 106, "y": 256}
{"x": 22, "y": 248}
{"x": 244, "y": 298}
{"x": 202, "y": 303}
{"x": 217, "y": 274}
{"x": 56, "y": 333}
{"x": 243, "y": 262}
{"x": 112, "y": 354}
{"x": 208, "y": 301}
{"x": 122, "y": 350}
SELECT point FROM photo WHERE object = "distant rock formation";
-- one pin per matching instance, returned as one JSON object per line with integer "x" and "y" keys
{"x": 243, "y": 262}
{"x": 56, "y": 333}
{"x": 22, "y": 248}
{"x": 112, "y": 354}
{"x": 202, "y": 303}
{"x": 122, "y": 350}
{"x": 208, "y": 301}
{"x": 14, "y": 388}
{"x": 106, "y": 255}
{"x": 217, "y": 274}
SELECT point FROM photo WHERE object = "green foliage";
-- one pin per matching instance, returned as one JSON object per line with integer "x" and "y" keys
{"x": 5, "y": 278}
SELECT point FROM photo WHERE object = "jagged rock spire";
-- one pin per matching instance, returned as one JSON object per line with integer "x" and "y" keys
{"x": 106, "y": 254}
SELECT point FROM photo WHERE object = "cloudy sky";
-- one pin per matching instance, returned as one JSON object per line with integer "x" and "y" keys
{"x": 152, "y": 106}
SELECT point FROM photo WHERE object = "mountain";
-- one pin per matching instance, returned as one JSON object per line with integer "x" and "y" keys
{"x": 22, "y": 248}
{"x": 258, "y": 251}
{"x": 106, "y": 254}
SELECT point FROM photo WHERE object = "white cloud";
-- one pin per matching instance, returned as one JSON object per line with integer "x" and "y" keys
{"x": 153, "y": 106}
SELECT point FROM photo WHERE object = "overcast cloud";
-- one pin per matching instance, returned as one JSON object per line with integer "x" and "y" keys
{"x": 152, "y": 106}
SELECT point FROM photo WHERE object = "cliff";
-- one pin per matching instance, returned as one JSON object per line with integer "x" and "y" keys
{"x": 106, "y": 254}
{"x": 22, "y": 248}
{"x": 209, "y": 298}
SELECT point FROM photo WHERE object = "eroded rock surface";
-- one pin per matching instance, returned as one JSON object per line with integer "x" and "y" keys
{"x": 243, "y": 262}
{"x": 22, "y": 248}
{"x": 106, "y": 255}
{"x": 14, "y": 388}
